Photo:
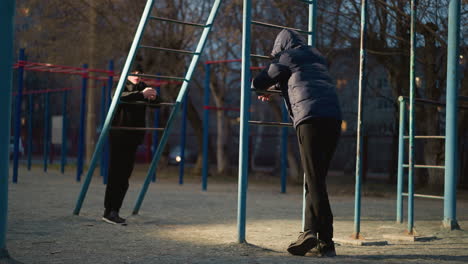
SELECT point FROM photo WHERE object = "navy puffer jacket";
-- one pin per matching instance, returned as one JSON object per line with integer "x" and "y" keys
{"x": 302, "y": 75}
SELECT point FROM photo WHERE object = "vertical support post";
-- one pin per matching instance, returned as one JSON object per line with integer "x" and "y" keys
{"x": 414, "y": 4}
{"x": 362, "y": 87}
{"x": 183, "y": 132}
{"x": 206, "y": 127}
{"x": 30, "y": 129}
{"x": 311, "y": 41}
{"x": 284, "y": 150}
{"x": 401, "y": 156}
{"x": 63, "y": 162}
{"x": 110, "y": 85}
{"x": 7, "y": 11}
{"x": 155, "y": 133}
{"x": 244, "y": 122}
{"x": 103, "y": 117}
{"x": 46, "y": 130}
{"x": 19, "y": 100}
{"x": 81, "y": 135}
{"x": 451, "y": 127}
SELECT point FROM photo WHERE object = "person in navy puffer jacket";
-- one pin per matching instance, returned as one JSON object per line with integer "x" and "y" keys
{"x": 301, "y": 73}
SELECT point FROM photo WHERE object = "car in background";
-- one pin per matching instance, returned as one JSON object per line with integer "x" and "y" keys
{"x": 12, "y": 147}
{"x": 175, "y": 156}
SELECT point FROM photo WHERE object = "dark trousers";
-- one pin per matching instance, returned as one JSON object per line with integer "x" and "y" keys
{"x": 318, "y": 138}
{"x": 122, "y": 158}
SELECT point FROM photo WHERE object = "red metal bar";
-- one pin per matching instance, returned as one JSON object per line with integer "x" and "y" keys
{"x": 209, "y": 107}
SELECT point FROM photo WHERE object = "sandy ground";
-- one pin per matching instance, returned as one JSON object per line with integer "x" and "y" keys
{"x": 182, "y": 224}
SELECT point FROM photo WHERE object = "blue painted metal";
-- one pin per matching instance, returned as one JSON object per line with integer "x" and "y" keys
{"x": 19, "y": 100}
{"x": 7, "y": 11}
{"x": 63, "y": 162}
{"x": 183, "y": 132}
{"x": 177, "y": 105}
{"x": 362, "y": 87}
{"x": 284, "y": 150}
{"x": 30, "y": 129}
{"x": 157, "y": 115}
{"x": 46, "y": 140}
{"x": 115, "y": 102}
{"x": 244, "y": 121}
{"x": 110, "y": 85}
{"x": 451, "y": 117}
{"x": 312, "y": 41}
{"x": 103, "y": 117}
{"x": 81, "y": 135}
{"x": 401, "y": 154}
{"x": 414, "y": 4}
{"x": 206, "y": 128}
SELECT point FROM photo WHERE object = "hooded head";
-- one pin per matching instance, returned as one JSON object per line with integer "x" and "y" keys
{"x": 287, "y": 39}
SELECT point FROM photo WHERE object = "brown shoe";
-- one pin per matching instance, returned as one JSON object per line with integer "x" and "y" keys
{"x": 305, "y": 242}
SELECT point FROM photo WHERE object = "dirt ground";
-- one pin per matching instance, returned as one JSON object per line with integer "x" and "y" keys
{"x": 182, "y": 224}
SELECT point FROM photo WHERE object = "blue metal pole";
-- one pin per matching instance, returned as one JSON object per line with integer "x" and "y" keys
{"x": 103, "y": 116}
{"x": 451, "y": 129}
{"x": 110, "y": 85}
{"x": 362, "y": 87}
{"x": 182, "y": 140}
{"x": 7, "y": 11}
{"x": 284, "y": 150}
{"x": 177, "y": 105}
{"x": 46, "y": 130}
{"x": 311, "y": 40}
{"x": 19, "y": 99}
{"x": 81, "y": 135}
{"x": 414, "y": 4}
{"x": 157, "y": 114}
{"x": 30, "y": 129}
{"x": 401, "y": 157}
{"x": 244, "y": 122}
{"x": 63, "y": 162}
{"x": 115, "y": 102}
{"x": 206, "y": 128}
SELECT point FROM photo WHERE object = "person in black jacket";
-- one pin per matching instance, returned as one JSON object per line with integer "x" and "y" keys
{"x": 131, "y": 113}
{"x": 301, "y": 73}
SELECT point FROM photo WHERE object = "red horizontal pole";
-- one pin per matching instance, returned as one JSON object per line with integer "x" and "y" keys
{"x": 232, "y": 109}
{"x": 48, "y": 91}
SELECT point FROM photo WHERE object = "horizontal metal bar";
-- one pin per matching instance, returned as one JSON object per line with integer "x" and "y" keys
{"x": 306, "y": 1}
{"x": 263, "y": 24}
{"x": 170, "y": 50}
{"x": 432, "y": 102}
{"x": 266, "y": 91}
{"x": 426, "y": 196}
{"x": 146, "y": 103}
{"x": 279, "y": 124}
{"x": 157, "y": 76}
{"x": 463, "y": 98}
{"x": 178, "y": 21}
{"x": 435, "y": 137}
{"x": 139, "y": 128}
{"x": 260, "y": 56}
{"x": 425, "y": 166}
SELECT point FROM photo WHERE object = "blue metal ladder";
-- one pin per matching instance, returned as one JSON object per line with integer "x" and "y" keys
{"x": 176, "y": 106}
{"x": 245, "y": 102}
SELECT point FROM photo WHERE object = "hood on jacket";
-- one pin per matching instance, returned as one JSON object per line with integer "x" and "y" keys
{"x": 287, "y": 39}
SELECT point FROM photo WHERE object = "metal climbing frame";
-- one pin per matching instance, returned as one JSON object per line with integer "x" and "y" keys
{"x": 245, "y": 102}
{"x": 451, "y": 137}
{"x": 176, "y": 106}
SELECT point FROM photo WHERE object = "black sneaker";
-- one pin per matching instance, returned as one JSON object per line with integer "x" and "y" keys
{"x": 113, "y": 218}
{"x": 323, "y": 250}
{"x": 305, "y": 242}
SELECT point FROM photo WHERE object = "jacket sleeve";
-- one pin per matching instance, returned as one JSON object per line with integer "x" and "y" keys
{"x": 131, "y": 96}
{"x": 271, "y": 75}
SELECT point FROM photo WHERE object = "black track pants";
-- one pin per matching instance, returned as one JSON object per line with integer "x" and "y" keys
{"x": 318, "y": 138}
